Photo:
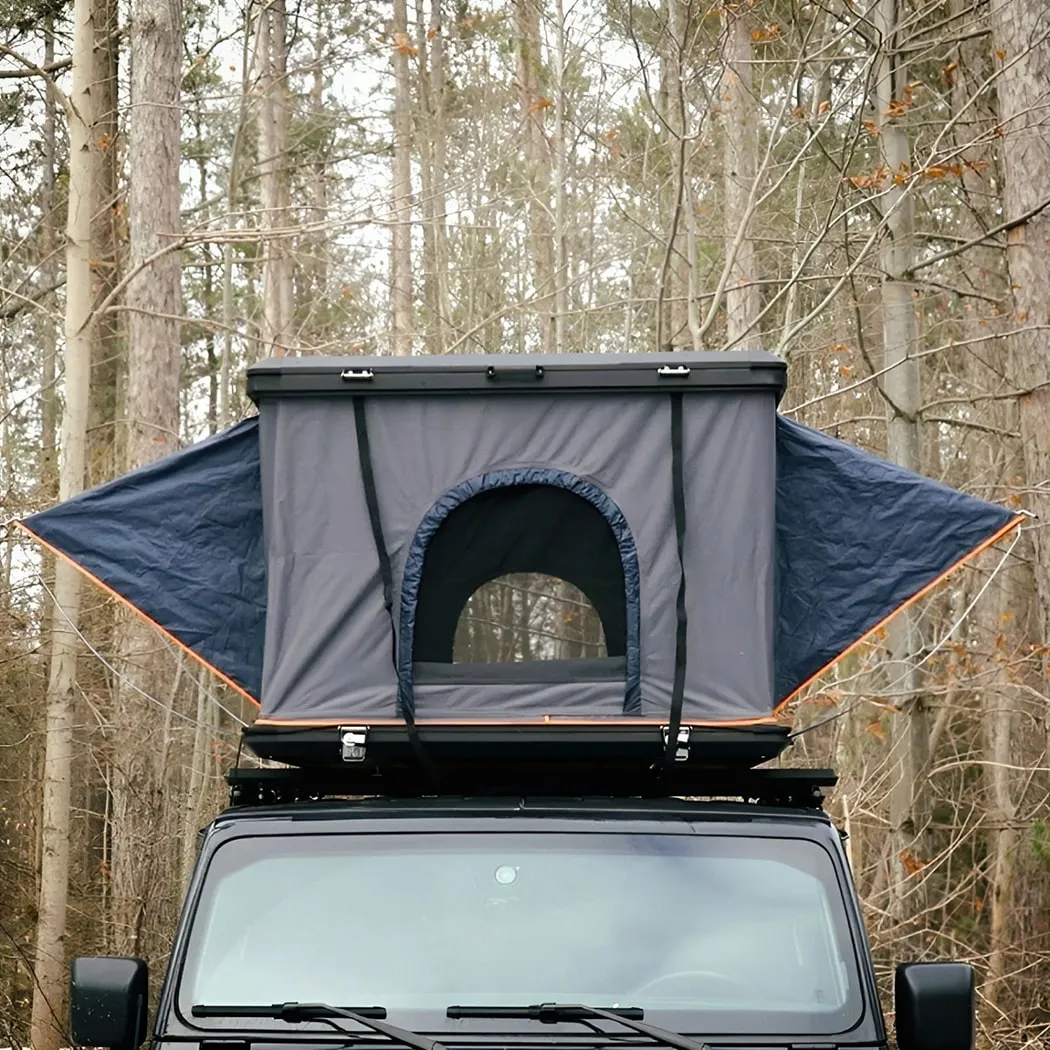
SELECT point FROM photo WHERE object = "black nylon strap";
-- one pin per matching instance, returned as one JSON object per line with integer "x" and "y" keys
{"x": 678, "y": 497}
{"x": 386, "y": 575}
{"x": 368, "y": 478}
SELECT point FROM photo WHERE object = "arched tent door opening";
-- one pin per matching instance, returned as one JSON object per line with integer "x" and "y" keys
{"x": 537, "y": 521}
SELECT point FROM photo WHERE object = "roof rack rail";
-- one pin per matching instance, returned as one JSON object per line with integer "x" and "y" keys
{"x": 797, "y": 788}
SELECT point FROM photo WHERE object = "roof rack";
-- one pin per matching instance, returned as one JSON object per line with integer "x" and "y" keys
{"x": 796, "y": 788}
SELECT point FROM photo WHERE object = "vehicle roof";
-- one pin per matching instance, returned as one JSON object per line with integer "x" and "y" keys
{"x": 630, "y": 810}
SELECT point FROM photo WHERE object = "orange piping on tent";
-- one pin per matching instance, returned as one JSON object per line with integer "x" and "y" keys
{"x": 149, "y": 619}
{"x": 423, "y": 723}
{"x": 921, "y": 593}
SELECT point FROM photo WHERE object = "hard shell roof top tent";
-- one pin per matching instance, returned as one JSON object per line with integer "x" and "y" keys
{"x": 430, "y": 477}
{"x": 317, "y": 558}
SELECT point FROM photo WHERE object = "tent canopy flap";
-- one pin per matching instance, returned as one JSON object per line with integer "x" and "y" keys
{"x": 181, "y": 540}
{"x": 857, "y": 538}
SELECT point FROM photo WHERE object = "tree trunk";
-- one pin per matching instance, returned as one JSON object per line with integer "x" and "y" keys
{"x": 233, "y": 182}
{"x": 154, "y": 295}
{"x": 1019, "y": 30}
{"x": 272, "y": 61}
{"x": 1004, "y": 615}
{"x": 106, "y": 238}
{"x": 424, "y": 135}
{"x": 401, "y": 229}
{"x": 1019, "y": 33}
{"x": 561, "y": 179}
{"x": 909, "y": 746}
{"x": 821, "y": 76}
{"x": 46, "y": 326}
{"x": 317, "y": 278}
{"x": 49, "y": 992}
{"x": 672, "y": 306}
{"x": 438, "y": 164}
{"x": 999, "y": 712}
{"x": 200, "y": 774}
{"x": 433, "y": 202}
{"x": 536, "y": 151}
{"x": 211, "y": 357}
{"x": 154, "y": 299}
{"x": 743, "y": 301}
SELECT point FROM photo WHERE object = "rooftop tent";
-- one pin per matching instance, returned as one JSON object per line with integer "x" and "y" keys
{"x": 729, "y": 554}
{"x": 430, "y": 477}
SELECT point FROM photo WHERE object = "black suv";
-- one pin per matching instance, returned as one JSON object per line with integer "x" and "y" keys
{"x": 314, "y": 921}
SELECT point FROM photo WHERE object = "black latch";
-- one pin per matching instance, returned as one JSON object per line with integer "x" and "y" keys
{"x": 510, "y": 374}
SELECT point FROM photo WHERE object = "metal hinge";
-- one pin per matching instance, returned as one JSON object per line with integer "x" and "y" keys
{"x": 681, "y": 751}
{"x": 674, "y": 371}
{"x": 357, "y": 373}
{"x": 354, "y": 742}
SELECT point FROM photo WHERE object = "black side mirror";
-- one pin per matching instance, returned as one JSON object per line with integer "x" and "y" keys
{"x": 108, "y": 1002}
{"x": 936, "y": 1007}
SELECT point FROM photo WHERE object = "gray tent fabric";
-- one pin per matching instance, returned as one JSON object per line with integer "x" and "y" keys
{"x": 254, "y": 549}
{"x": 328, "y": 640}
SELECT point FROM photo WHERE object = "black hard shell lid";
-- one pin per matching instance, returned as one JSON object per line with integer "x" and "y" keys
{"x": 739, "y": 370}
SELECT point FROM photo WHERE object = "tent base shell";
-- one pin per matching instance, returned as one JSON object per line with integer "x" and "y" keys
{"x": 631, "y": 746}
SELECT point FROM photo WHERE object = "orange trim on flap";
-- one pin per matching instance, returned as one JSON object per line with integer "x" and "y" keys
{"x": 149, "y": 619}
{"x": 921, "y": 593}
{"x": 422, "y": 723}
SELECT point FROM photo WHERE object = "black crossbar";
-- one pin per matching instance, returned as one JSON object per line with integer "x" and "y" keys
{"x": 796, "y": 788}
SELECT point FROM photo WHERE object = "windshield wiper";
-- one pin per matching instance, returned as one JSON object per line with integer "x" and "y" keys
{"x": 549, "y": 1013}
{"x": 295, "y": 1013}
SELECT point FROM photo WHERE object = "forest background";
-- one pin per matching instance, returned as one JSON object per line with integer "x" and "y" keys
{"x": 861, "y": 186}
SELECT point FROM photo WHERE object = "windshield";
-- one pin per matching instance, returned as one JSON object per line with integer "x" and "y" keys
{"x": 706, "y": 933}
